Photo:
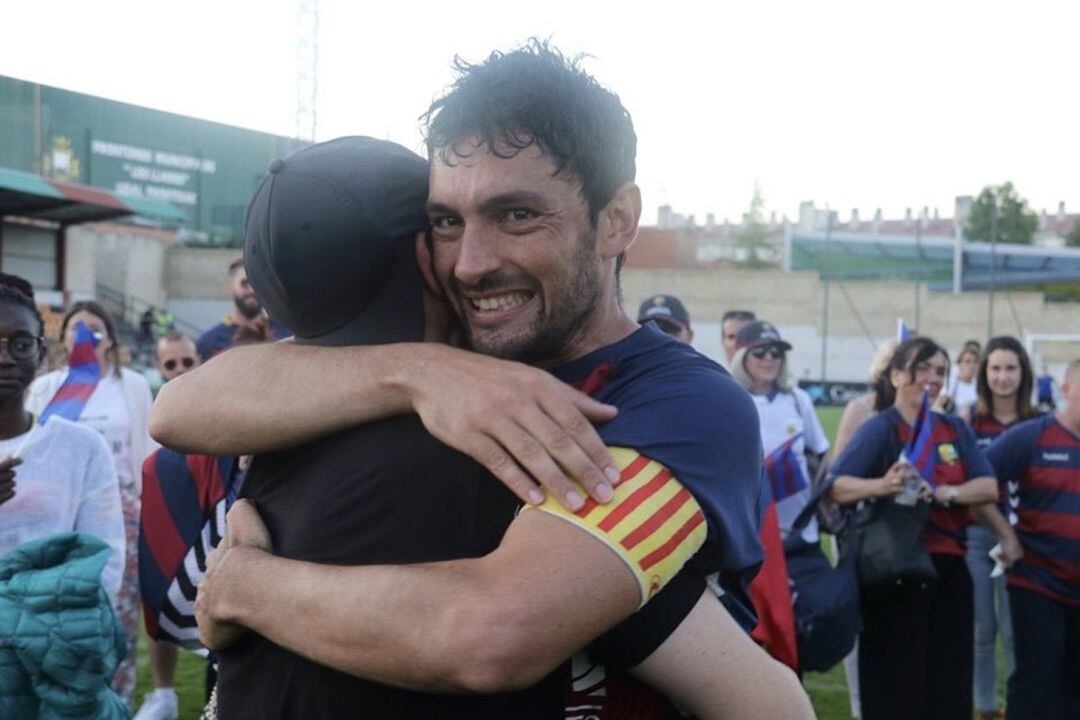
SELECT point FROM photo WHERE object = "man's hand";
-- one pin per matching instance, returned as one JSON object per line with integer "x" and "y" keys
{"x": 7, "y": 477}
{"x": 1011, "y": 549}
{"x": 246, "y": 532}
{"x": 525, "y": 426}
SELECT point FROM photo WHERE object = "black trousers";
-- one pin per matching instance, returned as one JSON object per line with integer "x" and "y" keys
{"x": 1046, "y": 682}
{"x": 916, "y": 648}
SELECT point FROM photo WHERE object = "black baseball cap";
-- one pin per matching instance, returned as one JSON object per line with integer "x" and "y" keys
{"x": 329, "y": 242}
{"x": 759, "y": 333}
{"x": 665, "y": 308}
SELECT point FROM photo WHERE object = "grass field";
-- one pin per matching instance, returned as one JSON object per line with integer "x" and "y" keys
{"x": 828, "y": 690}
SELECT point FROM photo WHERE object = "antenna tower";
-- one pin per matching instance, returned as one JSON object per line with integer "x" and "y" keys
{"x": 307, "y": 66}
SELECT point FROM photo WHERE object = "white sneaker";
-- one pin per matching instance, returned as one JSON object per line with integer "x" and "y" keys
{"x": 162, "y": 704}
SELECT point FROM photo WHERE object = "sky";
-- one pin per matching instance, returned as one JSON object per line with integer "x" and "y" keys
{"x": 850, "y": 104}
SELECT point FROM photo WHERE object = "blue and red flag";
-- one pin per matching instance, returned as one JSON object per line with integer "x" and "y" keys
{"x": 784, "y": 471}
{"x": 184, "y": 500}
{"x": 770, "y": 591}
{"x": 82, "y": 379}
{"x": 920, "y": 450}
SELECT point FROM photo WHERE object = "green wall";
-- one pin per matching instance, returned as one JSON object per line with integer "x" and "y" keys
{"x": 207, "y": 170}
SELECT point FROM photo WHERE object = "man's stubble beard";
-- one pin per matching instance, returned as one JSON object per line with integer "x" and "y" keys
{"x": 251, "y": 311}
{"x": 550, "y": 336}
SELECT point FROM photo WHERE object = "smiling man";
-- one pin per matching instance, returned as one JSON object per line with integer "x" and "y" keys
{"x": 532, "y": 204}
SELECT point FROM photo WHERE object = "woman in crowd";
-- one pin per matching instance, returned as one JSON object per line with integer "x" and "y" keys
{"x": 1004, "y": 384}
{"x": 119, "y": 410}
{"x": 959, "y": 395}
{"x": 789, "y": 422}
{"x": 54, "y": 478}
{"x": 856, "y": 412}
{"x": 915, "y": 648}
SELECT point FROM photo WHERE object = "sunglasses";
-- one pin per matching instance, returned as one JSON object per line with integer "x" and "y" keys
{"x": 22, "y": 346}
{"x": 188, "y": 362}
{"x": 771, "y": 351}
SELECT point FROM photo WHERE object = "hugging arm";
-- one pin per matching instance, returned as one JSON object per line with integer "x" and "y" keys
{"x": 522, "y": 424}
{"x": 711, "y": 668}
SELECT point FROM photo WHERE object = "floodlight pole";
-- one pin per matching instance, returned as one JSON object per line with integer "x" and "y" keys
{"x": 825, "y": 299}
{"x": 993, "y": 267}
{"x": 918, "y": 273}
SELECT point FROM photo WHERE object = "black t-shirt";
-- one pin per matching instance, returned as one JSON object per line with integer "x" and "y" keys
{"x": 389, "y": 493}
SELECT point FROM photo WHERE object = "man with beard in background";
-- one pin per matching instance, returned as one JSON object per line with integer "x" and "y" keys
{"x": 247, "y": 312}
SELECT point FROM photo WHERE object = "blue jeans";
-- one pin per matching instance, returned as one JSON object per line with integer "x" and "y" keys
{"x": 988, "y": 618}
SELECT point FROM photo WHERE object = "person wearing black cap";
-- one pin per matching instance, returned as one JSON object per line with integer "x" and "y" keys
{"x": 373, "y": 474}
{"x": 669, "y": 314}
{"x": 527, "y": 257}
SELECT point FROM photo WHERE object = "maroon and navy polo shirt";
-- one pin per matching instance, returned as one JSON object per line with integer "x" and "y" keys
{"x": 957, "y": 459}
{"x": 1038, "y": 462}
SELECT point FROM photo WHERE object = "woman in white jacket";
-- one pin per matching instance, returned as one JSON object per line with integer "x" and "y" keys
{"x": 119, "y": 409}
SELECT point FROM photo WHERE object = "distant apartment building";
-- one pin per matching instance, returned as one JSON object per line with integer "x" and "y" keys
{"x": 679, "y": 241}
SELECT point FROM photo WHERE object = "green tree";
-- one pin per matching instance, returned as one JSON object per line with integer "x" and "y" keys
{"x": 751, "y": 234}
{"x": 1072, "y": 239}
{"x": 1015, "y": 221}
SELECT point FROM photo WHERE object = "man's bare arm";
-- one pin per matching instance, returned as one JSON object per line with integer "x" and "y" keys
{"x": 490, "y": 624}
{"x": 522, "y": 424}
{"x": 262, "y": 398}
{"x": 710, "y": 667}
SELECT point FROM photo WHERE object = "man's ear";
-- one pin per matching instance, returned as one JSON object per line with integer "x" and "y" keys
{"x": 426, "y": 262}
{"x": 617, "y": 224}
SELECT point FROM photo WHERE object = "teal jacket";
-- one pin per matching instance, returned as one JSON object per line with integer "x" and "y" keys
{"x": 60, "y": 641}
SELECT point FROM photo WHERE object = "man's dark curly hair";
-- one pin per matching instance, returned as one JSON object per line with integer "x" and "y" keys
{"x": 537, "y": 95}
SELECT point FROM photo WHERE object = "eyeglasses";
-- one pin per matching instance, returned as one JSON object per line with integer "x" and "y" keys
{"x": 170, "y": 365}
{"x": 771, "y": 350}
{"x": 22, "y": 346}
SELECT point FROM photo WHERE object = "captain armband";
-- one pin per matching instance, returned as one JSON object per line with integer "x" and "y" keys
{"x": 653, "y": 524}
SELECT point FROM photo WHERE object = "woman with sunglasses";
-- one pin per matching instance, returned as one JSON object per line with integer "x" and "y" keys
{"x": 787, "y": 417}
{"x": 915, "y": 657}
{"x": 119, "y": 410}
{"x": 1004, "y": 383}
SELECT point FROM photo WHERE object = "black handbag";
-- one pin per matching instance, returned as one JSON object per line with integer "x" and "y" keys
{"x": 826, "y": 598}
{"x": 890, "y": 545}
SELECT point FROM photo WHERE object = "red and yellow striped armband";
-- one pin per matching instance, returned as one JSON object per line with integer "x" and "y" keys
{"x": 653, "y": 524}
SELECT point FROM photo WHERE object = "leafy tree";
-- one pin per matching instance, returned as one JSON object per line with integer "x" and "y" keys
{"x": 1072, "y": 239}
{"x": 751, "y": 234}
{"x": 1015, "y": 222}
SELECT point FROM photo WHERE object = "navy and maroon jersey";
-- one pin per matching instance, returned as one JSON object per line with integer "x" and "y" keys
{"x": 987, "y": 428}
{"x": 220, "y": 337}
{"x": 684, "y": 411}
{"x": 1038, "y": 462}
{"x": 184, "y": 500}
{"x": 957, "y": 459}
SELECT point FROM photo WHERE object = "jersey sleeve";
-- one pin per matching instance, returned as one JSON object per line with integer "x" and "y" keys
{"x": 975, "y": 462}
{"x": 863, "y": 456}
{"x": 1009, "y": 454}
{"x": 816, "y": 439}
{"x": 638, "y": 636}
{"x": 653, "y": 524}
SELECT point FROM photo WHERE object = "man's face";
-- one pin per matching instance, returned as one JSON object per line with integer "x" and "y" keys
{"x": 514, "y": 251}
{"x": 731, "y": 328}
{"x": 176, "y": 357}
{"x": 243, "y": 295}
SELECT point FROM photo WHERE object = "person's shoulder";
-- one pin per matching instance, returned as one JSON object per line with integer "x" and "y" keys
{"x": 803, "y": 398}
{"x": 46, "y": 379}
{"x": 133, "y": 378}
{"x": 74, "y": 436}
